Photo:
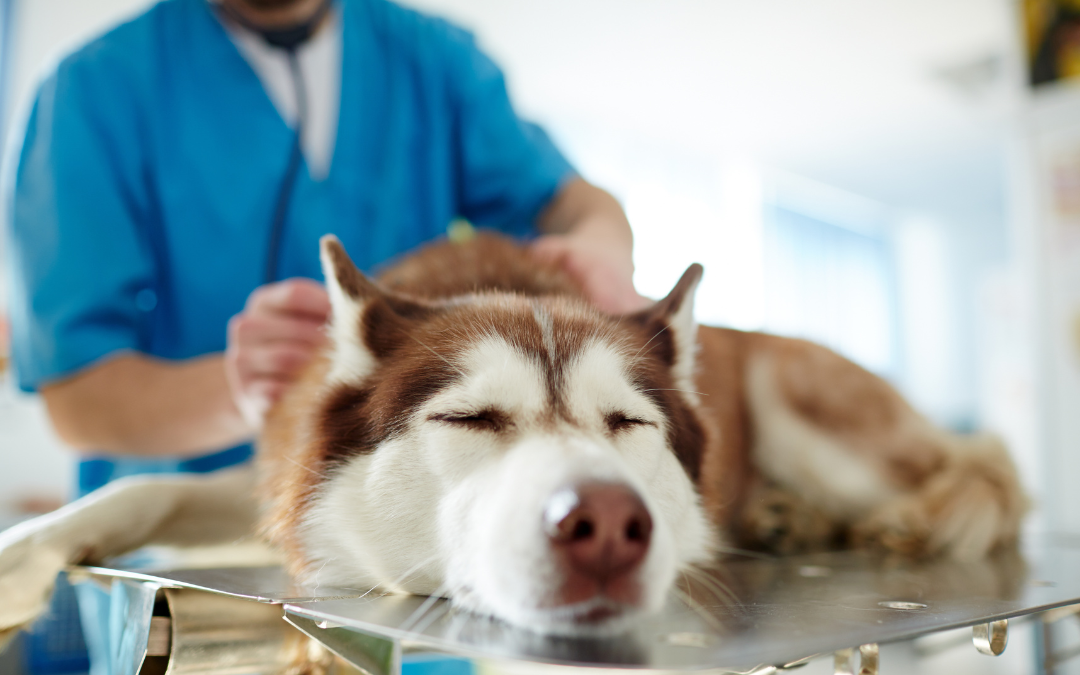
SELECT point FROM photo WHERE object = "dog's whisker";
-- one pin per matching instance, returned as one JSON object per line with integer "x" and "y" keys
{"x": 432, "y": 616}
{"x": 318, "y": 474}
{"x": 368, "y": 591}
{"x": 438, "y": 355}
{"x": 712, "y": 583}
{"x": 418, "y": 613}
{"x": 711, "y": 596}
{"x": 647, "y": 343}
{"x": 756, "y": 555}
{"x": 648, "y": 351}
{"x": 685, "y": 391}
{"x": 402, "y": 578}
{"x": 318, "y": 583}
{"x": 721, "y": 593}
{"x": 700, "y": 610}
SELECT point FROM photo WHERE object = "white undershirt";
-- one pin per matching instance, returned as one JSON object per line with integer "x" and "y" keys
{"x": 320, "y": 66}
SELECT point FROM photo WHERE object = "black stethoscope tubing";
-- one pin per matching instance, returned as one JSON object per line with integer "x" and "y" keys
{"x": 288, "y": 39}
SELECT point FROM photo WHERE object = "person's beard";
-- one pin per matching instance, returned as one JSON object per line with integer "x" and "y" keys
{"x": 269, "y": 4}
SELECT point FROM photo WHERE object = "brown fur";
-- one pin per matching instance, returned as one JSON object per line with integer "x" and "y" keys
{"x": 487, "y": 263}
{"x": 415, "y": 326}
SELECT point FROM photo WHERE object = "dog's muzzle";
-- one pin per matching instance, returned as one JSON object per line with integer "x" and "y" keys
{"x": 599, "y": 534}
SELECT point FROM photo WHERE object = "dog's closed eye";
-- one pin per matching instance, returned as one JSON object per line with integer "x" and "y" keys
{"x": 620, "y": 421}
{"x": 488, "y": 419}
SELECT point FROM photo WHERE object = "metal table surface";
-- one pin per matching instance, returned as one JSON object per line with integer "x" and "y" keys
{"x": 745, "y": 613}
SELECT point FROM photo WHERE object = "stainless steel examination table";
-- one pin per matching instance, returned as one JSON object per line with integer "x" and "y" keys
{"x": 756, "y": 615}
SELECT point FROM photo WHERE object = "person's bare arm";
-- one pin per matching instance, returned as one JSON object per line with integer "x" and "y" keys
{"x": 587, "y": 232}
{"x": 139, "y": 405}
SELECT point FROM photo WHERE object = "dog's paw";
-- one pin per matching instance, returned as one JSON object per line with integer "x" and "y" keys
{"x": 968, "y": 509}
{"x": 778, "y": 521}
{"x": 901, "y": 527}
{"x": 27, "y": 573}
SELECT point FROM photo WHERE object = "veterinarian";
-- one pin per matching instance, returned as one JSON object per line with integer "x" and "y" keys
{"x": 177, "y": 173}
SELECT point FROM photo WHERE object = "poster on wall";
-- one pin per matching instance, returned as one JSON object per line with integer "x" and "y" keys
{"x": 1052, "y": 32}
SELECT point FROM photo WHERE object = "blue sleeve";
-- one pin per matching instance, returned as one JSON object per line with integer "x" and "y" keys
{"x": 509, "y": 168}
{"x": 76, "y": 250}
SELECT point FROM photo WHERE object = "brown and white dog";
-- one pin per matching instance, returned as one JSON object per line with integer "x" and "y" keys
{"x": 477, "y": 430}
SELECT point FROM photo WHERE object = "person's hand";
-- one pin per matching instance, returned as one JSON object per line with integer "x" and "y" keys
{"x": 604, "y": 269}
{"x": 271, "y": 341}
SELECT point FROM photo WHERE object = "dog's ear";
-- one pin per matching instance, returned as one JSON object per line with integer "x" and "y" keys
{"x": 345, "y": 283}
{"x": 366, "y": 321}
{"x": 674, "y": 315}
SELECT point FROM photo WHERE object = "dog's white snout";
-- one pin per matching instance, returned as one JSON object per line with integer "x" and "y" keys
{"x": 561, "y": 533}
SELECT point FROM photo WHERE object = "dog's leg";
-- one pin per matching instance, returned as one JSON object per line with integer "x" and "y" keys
{"x": 777, "y": 520}
{"x": 844, "y": 441}
{"x": 124, "y": 515}
{"x": 973, "y": 504}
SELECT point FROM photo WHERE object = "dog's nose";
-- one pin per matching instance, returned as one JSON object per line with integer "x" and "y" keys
{"x": 603, "y": 529}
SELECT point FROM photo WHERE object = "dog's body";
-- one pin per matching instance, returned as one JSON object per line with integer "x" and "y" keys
{"x": 477, "y": 430}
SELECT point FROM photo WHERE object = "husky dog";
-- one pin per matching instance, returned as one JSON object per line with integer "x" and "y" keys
{"x": 476, "y": 430}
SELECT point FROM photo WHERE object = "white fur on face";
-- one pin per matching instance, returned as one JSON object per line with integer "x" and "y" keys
{"x": 458, "y": 510}
{"x": 645, "y": 449}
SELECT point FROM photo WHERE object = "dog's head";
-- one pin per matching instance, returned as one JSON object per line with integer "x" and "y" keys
{"x": 530, "y": 458}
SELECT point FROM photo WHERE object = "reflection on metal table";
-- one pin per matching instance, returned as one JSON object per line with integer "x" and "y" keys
{"x": 747, "y": 614}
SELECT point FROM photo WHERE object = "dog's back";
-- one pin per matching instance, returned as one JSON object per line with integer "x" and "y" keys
{"x": 483, "y": 263}
{"x": 816, "y": 452}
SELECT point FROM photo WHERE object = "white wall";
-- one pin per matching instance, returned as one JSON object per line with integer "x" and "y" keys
{"x": 43, "y": 31}
{"x": 34, "y": 466}
{"x": 848, "y": 93}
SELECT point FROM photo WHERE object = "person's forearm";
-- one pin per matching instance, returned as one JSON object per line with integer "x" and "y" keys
{"x": 583, "y": 209}
{"x": 137, "y": 405}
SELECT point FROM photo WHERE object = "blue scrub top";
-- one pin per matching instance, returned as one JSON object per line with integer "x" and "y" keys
{"x": 153, "y": 157}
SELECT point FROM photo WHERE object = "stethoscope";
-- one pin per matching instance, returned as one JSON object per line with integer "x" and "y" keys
{"x": 288, "y": 39}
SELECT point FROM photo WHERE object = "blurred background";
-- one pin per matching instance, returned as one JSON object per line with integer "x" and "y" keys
{"x": 898, "y": 179}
